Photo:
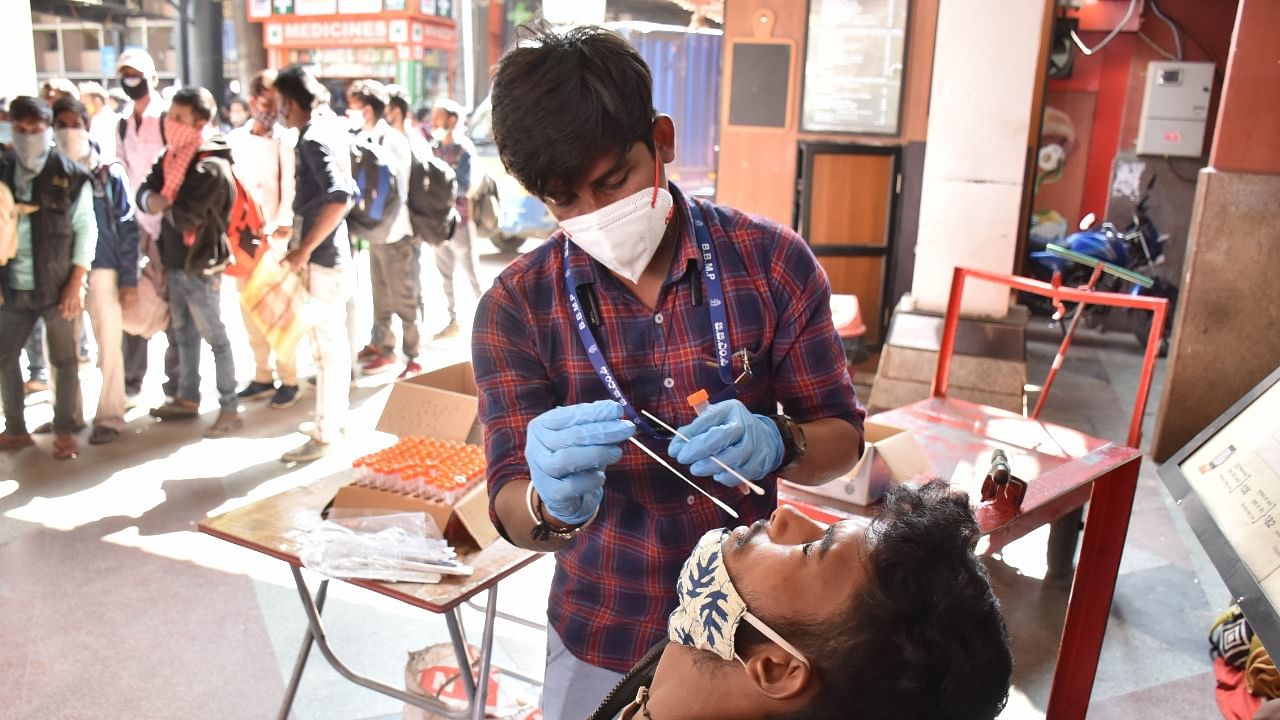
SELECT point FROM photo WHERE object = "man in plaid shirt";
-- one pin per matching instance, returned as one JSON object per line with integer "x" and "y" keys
{"x": 655, "y": 297}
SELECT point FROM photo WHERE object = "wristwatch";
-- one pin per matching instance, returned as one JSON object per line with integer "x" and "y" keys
{"x": 793, "y": 441}
{"x": 543, "y": 530}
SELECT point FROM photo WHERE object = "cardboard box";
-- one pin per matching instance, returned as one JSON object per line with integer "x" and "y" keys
{"x": 440, "y": 404}
{"x": 891, "y": 457}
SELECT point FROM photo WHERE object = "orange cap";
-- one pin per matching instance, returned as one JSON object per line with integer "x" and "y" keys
{"x": 698, "y": 398}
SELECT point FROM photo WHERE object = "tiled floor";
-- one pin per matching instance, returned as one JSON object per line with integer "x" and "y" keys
{"x": 111, "y": 606}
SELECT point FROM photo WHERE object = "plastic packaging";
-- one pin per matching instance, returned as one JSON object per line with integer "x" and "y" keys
{"x": 391, "y": 547}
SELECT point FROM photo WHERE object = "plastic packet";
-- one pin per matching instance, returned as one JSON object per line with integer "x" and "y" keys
{"x": 391, "y": 547}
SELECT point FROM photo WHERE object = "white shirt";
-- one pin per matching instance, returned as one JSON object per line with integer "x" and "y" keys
{"x": 103, "y": 129}
{"x": 265, "y": 164}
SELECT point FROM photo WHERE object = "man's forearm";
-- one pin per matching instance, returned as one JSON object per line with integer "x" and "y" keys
{"x": 327, "y": 220}
{"x": 512, "y": 507}
{"x": 76, "y": 280}
{"x": 830, "y": 445}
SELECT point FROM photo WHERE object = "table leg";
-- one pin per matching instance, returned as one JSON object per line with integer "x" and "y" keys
{"x": 322, "y": 643}
{"x": 454, "y": 620}
{"x": 486, "y": 655}
{"x": 303, "y": 653}
{"x": 1064, "y": 536}
{"x": 1102, "y": 545}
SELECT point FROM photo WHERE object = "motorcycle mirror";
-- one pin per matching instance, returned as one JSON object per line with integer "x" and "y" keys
{"x": 1086, "y": 222}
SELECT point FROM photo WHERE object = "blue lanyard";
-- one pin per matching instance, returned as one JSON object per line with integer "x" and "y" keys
{"x": 715, "y": 306}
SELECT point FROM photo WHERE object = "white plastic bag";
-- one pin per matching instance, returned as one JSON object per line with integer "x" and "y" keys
{"x": 391, "y": 547}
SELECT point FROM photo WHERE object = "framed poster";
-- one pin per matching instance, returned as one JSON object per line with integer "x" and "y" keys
{"x": 855, "y": 52}
{"x": 1227, "y": 483}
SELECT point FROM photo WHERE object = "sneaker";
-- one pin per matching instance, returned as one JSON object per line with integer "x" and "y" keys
{"x": 35, "y": 385}
{"x": 228, "y": 422}
{"x": 255, "y": 390}
{"x": 311, "y": 451}
{"x": 286, "y": 396}
{"x": 449, "y": 331}
{"x": 368, "y": 352}
{"x": 175, "y": 410}
{"x": 379, "y": 363}
{"x": 411, "y": 368}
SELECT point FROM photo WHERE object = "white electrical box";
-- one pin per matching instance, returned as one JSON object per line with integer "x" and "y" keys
{"x": 1175, "y": 108}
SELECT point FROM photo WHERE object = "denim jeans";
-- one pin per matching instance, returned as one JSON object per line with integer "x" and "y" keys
{"x": 37, "y": 369}
{"x": 195, "y": 313}
{"x": 17, "y": 318}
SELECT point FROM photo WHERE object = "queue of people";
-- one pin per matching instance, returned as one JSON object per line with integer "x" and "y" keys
{"x": 132, "y": 202}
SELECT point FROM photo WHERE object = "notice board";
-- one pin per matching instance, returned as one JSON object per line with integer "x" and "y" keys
{"x": 853, "y": 68}
{"x": 1227, "y": 483}
{"x": 758, "y": 77}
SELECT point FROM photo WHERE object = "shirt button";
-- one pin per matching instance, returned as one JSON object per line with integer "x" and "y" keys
{"x": 658, "y": 318}
{"x": 668, "y": 383}
{"x": 688, "y": 500}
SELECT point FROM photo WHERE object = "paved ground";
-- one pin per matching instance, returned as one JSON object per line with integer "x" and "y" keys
{"x": 111, "y": 606}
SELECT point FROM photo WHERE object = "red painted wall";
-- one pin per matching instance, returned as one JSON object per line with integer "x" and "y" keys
{"x": 1247, "y": 138}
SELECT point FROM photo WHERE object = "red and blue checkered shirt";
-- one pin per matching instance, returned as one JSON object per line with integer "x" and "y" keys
{"x": 614, "y": 585}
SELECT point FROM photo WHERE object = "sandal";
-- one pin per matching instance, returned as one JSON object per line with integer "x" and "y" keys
{"x": 65, "y": 447}
{"x": 175, "y": 410}
{"x": 102, "y": 435}
{"x": 13, "y": 441}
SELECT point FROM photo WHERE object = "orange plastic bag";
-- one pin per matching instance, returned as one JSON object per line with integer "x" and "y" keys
{"x": 275, "y": 301}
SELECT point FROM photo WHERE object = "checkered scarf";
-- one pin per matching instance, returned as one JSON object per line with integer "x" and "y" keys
{"x": 182, "y": 143}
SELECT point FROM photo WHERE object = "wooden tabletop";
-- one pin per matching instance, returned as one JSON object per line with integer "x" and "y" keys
{"x": 1059, "y": 464}
{"x": 276, "y": 527}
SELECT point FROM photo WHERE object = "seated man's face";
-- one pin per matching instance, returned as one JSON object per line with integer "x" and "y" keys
{"x": 821, "y": 566}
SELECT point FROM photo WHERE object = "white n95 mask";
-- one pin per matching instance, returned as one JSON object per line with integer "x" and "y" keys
{"x": 711, "y": 608}
{"x": 624, "y": 235}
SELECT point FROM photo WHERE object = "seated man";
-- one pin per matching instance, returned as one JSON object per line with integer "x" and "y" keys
{"x": 891, "y": 618}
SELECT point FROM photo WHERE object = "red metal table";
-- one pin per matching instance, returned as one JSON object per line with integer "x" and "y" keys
{"x": 276, "y": 527}
{"x": 1072, "y": 468}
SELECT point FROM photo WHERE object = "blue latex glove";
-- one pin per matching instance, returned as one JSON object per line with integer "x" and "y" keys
{"x": 567, "y": 449}
{"x": 746, "y": 442}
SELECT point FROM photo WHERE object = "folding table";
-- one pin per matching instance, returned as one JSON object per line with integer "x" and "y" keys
{"x": 276, "y": 527}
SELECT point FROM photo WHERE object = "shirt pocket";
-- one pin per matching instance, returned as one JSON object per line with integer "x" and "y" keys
{"x": 753, "y": 388}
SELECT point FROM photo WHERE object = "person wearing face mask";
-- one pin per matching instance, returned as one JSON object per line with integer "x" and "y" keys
{"x": 113, "y": 277}
{"x": 643, "y": 297}
{"x": 45, "y": 279}
{"x": 263, "y": 152}
{"x": 391, "y": 259}
{"x": 103, "y": 120}
{"x": 453, "y": 146}
{"x": 140, "y": 138}
{"x": 192, "y": 188}
{"x": 892, "y": 618}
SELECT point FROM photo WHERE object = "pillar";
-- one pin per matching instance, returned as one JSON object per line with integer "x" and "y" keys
{"x": 980, "y": 128}
{"x": 1224, "y": 337}
{"x": 18, "y": 57}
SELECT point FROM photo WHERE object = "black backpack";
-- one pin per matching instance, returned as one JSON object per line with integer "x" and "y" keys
{"x": 433, "y": 188}
{"x": 123, "y": 126}
{"x": 378, "y": 181}
{"x": 486, "y": 209}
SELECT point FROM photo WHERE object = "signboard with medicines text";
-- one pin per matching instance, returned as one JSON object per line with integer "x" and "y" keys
{"x": 1227, "y": 483}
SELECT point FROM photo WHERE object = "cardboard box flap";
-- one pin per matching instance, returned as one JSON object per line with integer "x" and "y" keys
{"x": 440, "y": 404}
{"x": 904, "y": 457}
{"x": 472, "y": 511}
{"x": 870, "y": 477}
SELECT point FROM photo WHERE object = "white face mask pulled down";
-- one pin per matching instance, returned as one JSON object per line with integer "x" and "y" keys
{"x": 624, "y": 235}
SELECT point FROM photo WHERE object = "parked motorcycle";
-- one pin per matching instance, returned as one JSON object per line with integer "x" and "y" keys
{"x": 1139, "y": 247}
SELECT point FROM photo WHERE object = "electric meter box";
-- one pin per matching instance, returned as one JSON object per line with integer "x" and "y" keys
{"x": 1175, "y": 108}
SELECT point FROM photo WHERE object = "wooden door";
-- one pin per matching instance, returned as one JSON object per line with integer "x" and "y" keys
{"x": 846, "y": 213}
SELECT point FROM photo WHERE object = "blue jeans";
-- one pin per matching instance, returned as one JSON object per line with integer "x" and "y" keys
{"x": 36, "y": 367}
{"x": 195, "y": 313}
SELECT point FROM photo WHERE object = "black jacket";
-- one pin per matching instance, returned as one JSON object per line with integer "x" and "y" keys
{"x": 203, "y": 204}
{"x": 54, "y": 191}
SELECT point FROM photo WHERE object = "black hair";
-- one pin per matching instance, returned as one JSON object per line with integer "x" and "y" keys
{"x": 199, "y": 100}
{"x": 924, "y": 637}
{"x": 371, "y": 93}
{"x": 398, "y": 99}
{"x": 25, "y": 107}
{"x": 296, "y": 83}
{"x": 262, "y": 82}
{"x": 563, "y": 100}
{"x": 240, "y": 100}
{"x": 66, "y": 103}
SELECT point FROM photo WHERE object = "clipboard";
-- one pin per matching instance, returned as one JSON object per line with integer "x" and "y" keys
{"x": 758, "y": 78}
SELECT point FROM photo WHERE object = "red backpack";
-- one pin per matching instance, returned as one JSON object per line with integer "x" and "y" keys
{"x": 246, "y": 231}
